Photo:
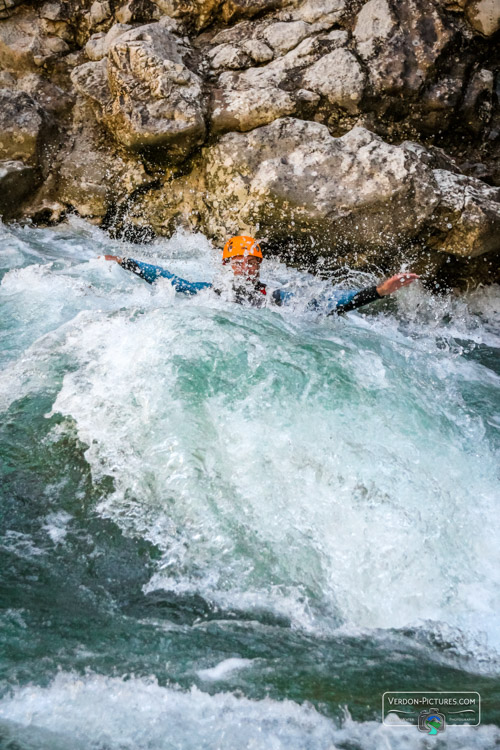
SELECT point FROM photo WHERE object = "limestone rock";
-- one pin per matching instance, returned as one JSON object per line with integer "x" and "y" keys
{"x": 145, "y": 94}
{"x": 292, "y": 178}
{"x": 229, "y": 57}
{"x": 234, "y": 9}
{"x": 324, "y": 12}
{"x": 17, "y": 181}
{"x": 21, "y": 127}
{"x": 100, "y": 11}
{"x": 375, "y": 24}
{"x": 257, "y": 96}
{"x": 6, "y": 7}
{"x": 484, "y": 16}
{"x": 24, "y": 46}
{"x": 99, "y": 44}
{"x": 91, "y": 79}
{"x": 339, "y": 77}
{"x": 92, "y": 177}
{"x": 54, "y": 11}
{"x": 138, "y": 11}
{"x": 249, "y": 101}
{"x": 177, "y": 204}
{"x": 258, "y": 51}
{"x": 401, "y": 41}
{"x": 283, "y": 37}
{"x": 468, "y": 215}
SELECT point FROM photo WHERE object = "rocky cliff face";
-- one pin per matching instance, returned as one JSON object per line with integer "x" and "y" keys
{"x": 351, "y": 131}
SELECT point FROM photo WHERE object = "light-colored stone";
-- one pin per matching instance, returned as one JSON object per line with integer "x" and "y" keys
{"x": 292, "y": 177}
{"x": 100, "y": 11}
{"x": 228, "y": 57}
{"x": 91, "y": 80}
{"x": 375, "y": 22}
{"x": 98, "y": 45}
{"x": 239, "y": 108}
{"x": 258, "y": 96}
{"x": 339, "y": 77}
{"x": 21, "y": 127}
{"x": 326, "y": 12}
{"x": 468, "y": 215}
{"x": 258, "y": 51}
{"x": 23, "y": 46}
{"x": 145, "y": 94}
{"x": 91, "y": 176}
{"x": 283, "y": 37}
{"x": 484, "y": 15}
{"x": 400, "y": 46}
{"x": 338, "y": 37}
{"x": 53, "y": 11}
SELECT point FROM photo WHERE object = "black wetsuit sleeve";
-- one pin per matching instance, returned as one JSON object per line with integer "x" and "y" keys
{"x": 129, "y": 264}
{"x": 363, "y": 297}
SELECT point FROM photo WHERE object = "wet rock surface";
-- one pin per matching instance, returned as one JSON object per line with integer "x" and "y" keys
{"x": 359, "y": 130}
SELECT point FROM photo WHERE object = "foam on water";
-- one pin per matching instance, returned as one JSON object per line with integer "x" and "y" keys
{"x": 264, "y": 459}
{"x": 337, "y": 471}
{"x": 95, "y": 712}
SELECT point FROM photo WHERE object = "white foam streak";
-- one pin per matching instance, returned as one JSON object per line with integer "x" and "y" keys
{"x": 329, "y": 470}
{"x": 95, "y": 712}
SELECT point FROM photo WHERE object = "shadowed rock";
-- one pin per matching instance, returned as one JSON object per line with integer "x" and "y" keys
{"x": 145, "y": 94}
{"x": 17, "y": 181}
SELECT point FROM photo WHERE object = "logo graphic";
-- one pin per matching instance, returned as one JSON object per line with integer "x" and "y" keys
{"x": 431, "y": 722}
{"x": 431, "y": 711}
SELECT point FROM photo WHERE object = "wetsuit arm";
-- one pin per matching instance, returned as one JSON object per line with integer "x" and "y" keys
{"x": 341, "y": 302}
{"x": 151, "y": 273}
{"x": 281, "y": 296}
{"x": 351, "y": 300}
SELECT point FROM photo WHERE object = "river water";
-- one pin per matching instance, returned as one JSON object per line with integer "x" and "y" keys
{"x": 231, "y": 528}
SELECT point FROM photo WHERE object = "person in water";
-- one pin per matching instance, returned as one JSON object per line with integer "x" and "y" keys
{"x": 245, "y": 256}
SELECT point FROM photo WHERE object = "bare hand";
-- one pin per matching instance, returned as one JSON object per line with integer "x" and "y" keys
{"x": 111, "y": 257}
{"x": 396, "y": 282}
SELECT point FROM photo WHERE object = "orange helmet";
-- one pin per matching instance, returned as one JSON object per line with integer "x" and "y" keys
{"x": 240, "y": 245}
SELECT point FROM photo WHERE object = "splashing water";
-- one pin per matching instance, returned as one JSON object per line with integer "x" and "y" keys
{"x": 218, "y": 499}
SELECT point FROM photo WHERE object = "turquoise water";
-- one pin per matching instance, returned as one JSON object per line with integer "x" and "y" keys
{"x": 236, "y": 528}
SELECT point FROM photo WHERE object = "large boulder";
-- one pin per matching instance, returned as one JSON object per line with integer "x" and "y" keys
{"x": 92, "y": 177}
{"x": 17, "y": 181}
{"x": 22, "y": 125}
{"x": 145, "y": 94}
{"x": 318, "y": 78}
{"x": 338, "y": 77}
{"x": 484, "y": 16}
{"x": 99, "y": 44}
{"x": 24, "y": 44}
{"x": 293, "y": 179}
{"x": 401, "y": 41}
{"x": 295, "y": 184}
{"x": 198, "y": 14}
{"x": 467, "y": 219}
